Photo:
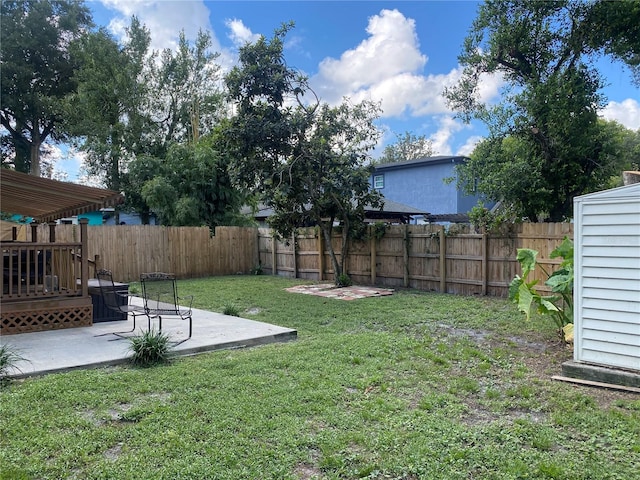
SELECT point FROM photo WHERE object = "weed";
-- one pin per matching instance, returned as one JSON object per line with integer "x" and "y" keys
{"x": 231, "y": 309}
{"x": 344, "y": 280}
{"x": 9, "y": 357}
{"x": 149, "y": 349}
{"x": 257, "y": 270}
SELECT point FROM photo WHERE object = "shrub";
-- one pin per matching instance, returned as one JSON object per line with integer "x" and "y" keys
{"x": 9, "y": 357}
{"x": 257, "y": 270}
{"x": 150, "y": 348}
{"x": 559, "y": 305}
{"x": 344, "y": 280}
{"x": 231, "y": 309}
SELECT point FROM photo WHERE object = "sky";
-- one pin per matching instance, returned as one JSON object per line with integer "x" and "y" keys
{"x": 399, "y": 53}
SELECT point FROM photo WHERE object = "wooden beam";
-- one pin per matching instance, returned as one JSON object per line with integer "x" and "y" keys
{"x": 591, "y": 383}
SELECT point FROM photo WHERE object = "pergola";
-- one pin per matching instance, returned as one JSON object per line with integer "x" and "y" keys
{"x": 45, "y": 283}
{"x": 46, "y": 200}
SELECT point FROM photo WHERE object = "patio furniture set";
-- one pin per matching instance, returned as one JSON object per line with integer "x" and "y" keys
{"x": 159, "y": 295}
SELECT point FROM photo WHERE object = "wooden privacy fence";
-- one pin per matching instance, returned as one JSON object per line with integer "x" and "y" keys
{"x": 129, "y": 250}
{"x": 425, "y": 257}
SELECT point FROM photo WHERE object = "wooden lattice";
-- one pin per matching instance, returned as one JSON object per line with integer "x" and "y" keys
{"x": 47, "y": 319}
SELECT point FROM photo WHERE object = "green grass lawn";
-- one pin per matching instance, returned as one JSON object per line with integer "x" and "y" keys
{"x": 411, "y": 386}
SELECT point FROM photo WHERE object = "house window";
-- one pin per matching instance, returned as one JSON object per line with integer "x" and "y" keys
{"x": 378, "y": 181}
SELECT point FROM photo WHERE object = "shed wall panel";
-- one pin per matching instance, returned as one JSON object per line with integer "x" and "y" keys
{"x": 606, "y": 304}
{"x": 613, "y": 282}
{"x": 609, "y": 273}
{"x": 625, "y": 230}
{"x": 615, "y": 360}
{"x": 611, "y": 240}
{"x": 611, "y": 262}
{"x": 602, "y": 345}
{"x": 622, "y": 323}
{"x": 607, "y": 278}
{"x": 610, "y": 219}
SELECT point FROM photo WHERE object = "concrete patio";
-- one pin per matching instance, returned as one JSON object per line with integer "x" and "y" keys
{"x": 88, "y": 347}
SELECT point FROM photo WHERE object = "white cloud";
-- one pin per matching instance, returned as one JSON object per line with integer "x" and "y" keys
{"x": 163, "y": 19}
{"x": 391, "y": 49}
{"x": 387, "y": 67}
{"x": 447, "y": 127}
{"x": 239, "y": 33}
{"x": 626, "y": 113}
{"x": 469, "y": 145}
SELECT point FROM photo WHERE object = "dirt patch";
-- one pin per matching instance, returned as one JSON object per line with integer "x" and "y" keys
{"x": 329, "y": 290}
{"x": 543, "y": 360}
{"x": 113, "y": 453}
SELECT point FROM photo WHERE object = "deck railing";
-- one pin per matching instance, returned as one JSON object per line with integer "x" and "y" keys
{"x": 44, "y": 270}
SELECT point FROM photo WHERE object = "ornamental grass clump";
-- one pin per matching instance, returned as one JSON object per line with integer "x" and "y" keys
{"x": 149, "y": 349}
{"x": 231, "y": 309}
{"x": 9, "y": 357}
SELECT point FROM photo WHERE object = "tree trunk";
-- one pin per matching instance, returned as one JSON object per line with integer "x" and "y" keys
{"x": 326, "y": 232}
{"x": 35, "y": 157}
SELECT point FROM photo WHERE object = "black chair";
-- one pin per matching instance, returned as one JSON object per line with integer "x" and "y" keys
{"x": 118, "y": 301}
{"x": 160, "y": 293}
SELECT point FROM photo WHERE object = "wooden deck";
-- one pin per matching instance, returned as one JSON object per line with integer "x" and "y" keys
{"x": 44, "y": 284}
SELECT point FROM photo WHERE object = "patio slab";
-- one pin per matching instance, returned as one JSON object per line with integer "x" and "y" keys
{"x": 87, "y": 347}
{"x": 329, "y": 290}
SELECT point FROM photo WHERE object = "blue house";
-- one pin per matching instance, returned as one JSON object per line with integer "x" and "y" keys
{"x": 422, "y": 184}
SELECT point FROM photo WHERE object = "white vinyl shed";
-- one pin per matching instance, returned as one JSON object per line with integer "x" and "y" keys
{"x": 607, "y": 278}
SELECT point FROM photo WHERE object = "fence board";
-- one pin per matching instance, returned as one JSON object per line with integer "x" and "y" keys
{"x": 428, "y": 258}
{"x": 129, "y": 250}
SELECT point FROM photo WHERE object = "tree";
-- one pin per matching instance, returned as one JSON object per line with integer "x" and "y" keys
{"x": 107, "y": 115}
{"x": 407, "y": 147}
{"x": 614, "y": 27}
{"x": 134, "y": 106}
{"x": 190, "y": 186}
{"x": 37, "y": 74}
{"x": 186, "y": 99}
{"x": 545, "y": 144}
{"x": 306, "y": 161}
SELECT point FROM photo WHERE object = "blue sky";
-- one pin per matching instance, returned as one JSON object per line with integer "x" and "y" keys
{"x": 401, "y": 54}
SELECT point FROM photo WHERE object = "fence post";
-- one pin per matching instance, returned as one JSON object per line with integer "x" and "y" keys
{"x": 320, "y": 255}
{"x": 52, "y": 232}
{"x": 485, "y": 261}
{"x": 373, "y": 245}
{"x": 443, "y": 261}
{"x": 295, "y": 263}
{"x": 405, "y": 259}
{"x": 274, "y": 253}
{"x": 84, "y": 260}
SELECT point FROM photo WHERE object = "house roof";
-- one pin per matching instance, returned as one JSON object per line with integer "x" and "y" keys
{"x": 46, "y": 200}
{"x": 421, "y": 161}
{"x": 390, "y": 210}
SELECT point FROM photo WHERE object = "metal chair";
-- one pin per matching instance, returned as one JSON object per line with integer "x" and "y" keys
{"x": 160, "y": 293}
{"x": 118, "y": 301}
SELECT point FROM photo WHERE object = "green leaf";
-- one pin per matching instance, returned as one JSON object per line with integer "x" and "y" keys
{"x": 547, "y": 306}
{"x": 525, "y": 300}
{"x": 564, "y": 250}
{"x": 527, "y": 259}
{"x": 561, "y": 281}
{"x": 514, "y": 286}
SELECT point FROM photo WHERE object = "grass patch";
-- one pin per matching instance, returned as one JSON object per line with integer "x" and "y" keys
{"x": 231, "y": 309}
{"x": 9, "y": 357}
{"x": 415, "y": 385}
{"x": 150, "y": 349}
